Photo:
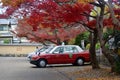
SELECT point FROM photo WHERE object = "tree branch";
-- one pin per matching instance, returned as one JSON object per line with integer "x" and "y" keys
{"x": 88, "y": 15}
{"x": 114, "y": 19}
{"x": 95, "y": 4}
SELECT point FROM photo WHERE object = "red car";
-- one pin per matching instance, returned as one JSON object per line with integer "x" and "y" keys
{"x": 62, "y": 54}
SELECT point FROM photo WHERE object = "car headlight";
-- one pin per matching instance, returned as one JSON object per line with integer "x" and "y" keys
{"x": 34, "y": 57}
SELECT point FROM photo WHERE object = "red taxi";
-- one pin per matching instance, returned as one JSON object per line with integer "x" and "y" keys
{"x": 62, "y": 54}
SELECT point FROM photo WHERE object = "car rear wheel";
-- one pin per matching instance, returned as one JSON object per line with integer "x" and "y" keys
{"x": 42, "y": 63}
{"x": 80, "y": 62}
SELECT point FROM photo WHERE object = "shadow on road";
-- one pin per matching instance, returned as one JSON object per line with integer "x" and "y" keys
{"x": 60, "y": 65}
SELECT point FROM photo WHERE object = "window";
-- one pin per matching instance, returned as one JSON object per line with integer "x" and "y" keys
{"x": 71, "y": 49}
{"x": 59, "y": 50}
{"x": 75, "y": 50}
{"x": 3, "y": 28}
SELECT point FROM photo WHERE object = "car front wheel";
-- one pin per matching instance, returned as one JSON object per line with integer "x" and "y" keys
{"x": 80, "y": 62}
{"x": 42, "y": 63}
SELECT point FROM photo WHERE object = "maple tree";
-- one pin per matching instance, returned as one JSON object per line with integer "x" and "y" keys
{"x": 46, "y": 34}
{"x": 54, "y": 14}
{"x": 59, "y": 15}
{"x": 43, "y": 15}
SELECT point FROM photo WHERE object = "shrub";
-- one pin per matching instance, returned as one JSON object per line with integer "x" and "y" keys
{"x": 6, "y": 41}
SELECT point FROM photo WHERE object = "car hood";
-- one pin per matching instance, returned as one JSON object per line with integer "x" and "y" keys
{"x": 30, "y": 54}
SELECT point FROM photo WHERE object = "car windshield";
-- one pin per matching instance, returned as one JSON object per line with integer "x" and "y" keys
{"x": 41, "y": 49}
{"x": 49, "y": 49}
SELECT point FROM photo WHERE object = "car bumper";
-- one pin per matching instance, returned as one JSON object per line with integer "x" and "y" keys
{"x": 34, "y": 62}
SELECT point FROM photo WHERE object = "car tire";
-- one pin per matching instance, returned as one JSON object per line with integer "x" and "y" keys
{"x": 80, "y": 62}
{"x": 42, "y": 63}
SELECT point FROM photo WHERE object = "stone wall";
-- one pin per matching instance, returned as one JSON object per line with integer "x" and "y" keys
{"x": 17, "y": 50}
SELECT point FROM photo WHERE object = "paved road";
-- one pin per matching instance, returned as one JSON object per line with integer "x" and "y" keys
{"x": 18, "y": 68}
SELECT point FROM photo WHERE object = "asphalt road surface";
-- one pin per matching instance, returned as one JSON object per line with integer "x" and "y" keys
{"x": 18, "y": 68}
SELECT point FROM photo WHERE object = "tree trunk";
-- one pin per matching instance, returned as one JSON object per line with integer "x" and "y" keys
{"x": 110, "y": 58}
{"x": 93, "y": 41}
{"x": 57, "y": 38}
{"x": 106, "y": 53}
{"x": 109, "y": 55}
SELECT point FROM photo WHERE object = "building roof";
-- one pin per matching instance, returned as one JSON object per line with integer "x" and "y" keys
{"x": 7, "y": 21}
{"x": 10, "y": 36}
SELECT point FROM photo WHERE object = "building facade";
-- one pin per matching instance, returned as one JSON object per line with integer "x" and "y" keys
{"x": 5, "y": 27}
{"x": 6, "y": 36}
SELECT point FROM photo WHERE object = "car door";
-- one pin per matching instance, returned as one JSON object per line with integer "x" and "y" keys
{"x": 56, "y": 55}
{"x": 63, "y": 56}
{"x": 67, "y": 55}
{"x": 70, "y": 53}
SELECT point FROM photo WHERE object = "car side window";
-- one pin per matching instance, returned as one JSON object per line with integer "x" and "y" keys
{"x": 67, "y": 50}
{"x": 70, "y": 50}
{"x": 75, "y": 50}
{"x": 59, "y": 50}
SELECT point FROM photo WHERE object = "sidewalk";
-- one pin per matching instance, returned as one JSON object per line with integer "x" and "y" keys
{"x": 86, "y": 73}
